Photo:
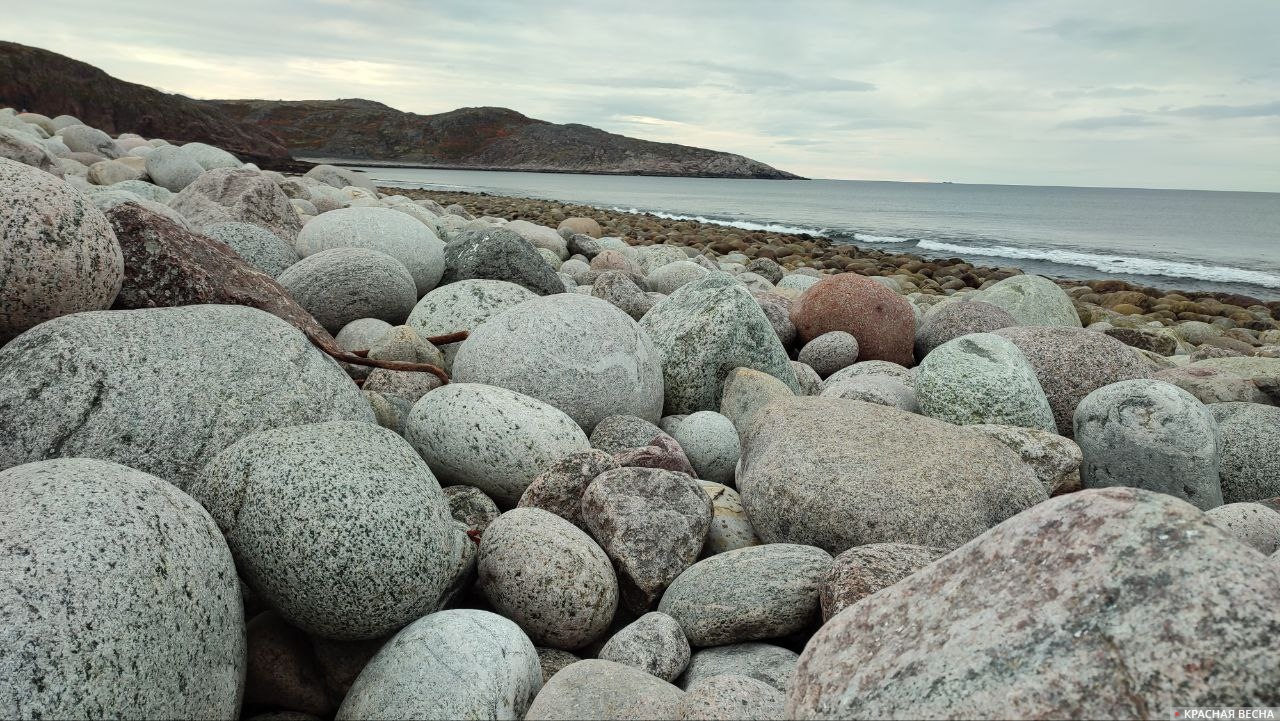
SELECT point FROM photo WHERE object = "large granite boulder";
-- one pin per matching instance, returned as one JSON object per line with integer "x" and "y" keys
{"x": 1077, "y": 608}
{"x": 240, "y": 195}
{"x": 498, "y": 254}
{"x": 464, "y": 305}
{"x": 835, "y": 473}
{"x": 340, "y": 285}
{"x": 84, "y": 139}
{"x": 950, "y": 320}
{"x": 604, "y": 690}
{"x": 1249, "y": 438}
{"x": 172, "y": 169}
{"x": 119, "y": 598}
{"x": 383, "y": 230}
{"x": 1032, "y": 300}
{"x": 864, "y": 570}
{"x": 336, "y": 177}
{"x": 262, "y": 249}
{"x": 705, "y": 330}
{"x": 653, "y": 643}
{"x": 982, "y": 378}
{"x": 24, "y": 149}
{"x": 575, "y": 352}
{"x": 164, "y": 389}
{"x": 58, "y": 254}
{"x": 879, "y": 318}
{"x": 1263, "y": 372}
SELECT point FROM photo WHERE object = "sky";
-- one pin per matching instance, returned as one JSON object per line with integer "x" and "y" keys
{"x": 1126, "y": 93}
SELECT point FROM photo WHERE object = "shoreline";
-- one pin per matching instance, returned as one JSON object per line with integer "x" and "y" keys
{"x": 410, "y": 165}
{"x": 928, "y": 276}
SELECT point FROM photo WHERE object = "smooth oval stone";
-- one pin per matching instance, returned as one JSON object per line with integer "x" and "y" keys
{"x": 460, "y": 664}
{"x": 1250, "y": 451}
{"x": 1032, "y": 300}
{"x": 108, "y": 576}
{"x": 263, "y": 249}
{"x": 653, "y": 643}
{"x": 947, "y": 321}
{"x": 596, "y": 689}
{"x": 1254, "y": 524}
{"x": 498, "y": 254}
{"x": 863, "y": 570}
{"x": 711, "y": 443}
{"x": 771, "y": 664}
{"x": 830, "y": 352}
{"x": 381, "y": 229}
{"x": 463, "y": 305}
{"x": 982, "y": 378}
{"x": 344, "y": 284}
{"x": 730, "y": 697}
{"x": 237, "y": 195}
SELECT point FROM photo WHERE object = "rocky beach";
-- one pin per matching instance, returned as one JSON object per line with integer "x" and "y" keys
{"x": 299, "y": 447}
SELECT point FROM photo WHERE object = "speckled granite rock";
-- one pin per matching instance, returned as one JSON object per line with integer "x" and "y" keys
{"x": 730, "y": 697}
{"x": 110, "y": 575}
{"x": 1249, "y": 450}
{"x": 491, "y": 438}
{"x": 653, "y": 643}
{"x": 771, "y": 664}
{"x": 1252, "y": 523}
{"x": 621, "y": 290}
{"x": 498, "y": 254}
{"x": 617, "y": 433}
{"x": 544, "y": 573}
{"x": 559, "y": 489}
{"x": 409, "y": 385}
{"x": 61, "y": 255}
{"x": 830, "y": 352}
{"x": 1210, "y": 385}
{"x": 652, "y": 523}
{"x": 263, "y": 249}
{"x": 381, "y": 229}
{"x": 863, "y": 570}
{"x": 163, "y": 389}
{"x": 449, "y": 665}
{"x": 1076, "y": 608}
{"x": 730, "y": 526}
{"x": 1033, "y": 300}
{"x": 903, "y": 375}
{"x": 662, "y": 453}
{"x": 1054, "y": 459}
{"x": 595, "y": 689}
{"x": 382, "y": 567}
{"x": 710, "y": 442}
{"x": 748, "y": 594}
{"x": 463, "y": 305}
{"x": 982, "y": 378}
{"x": 952, "y": 319}
{"x": 553, "y": 661}
{"x": 471, "y": 507}
{"x": 746, "y": 391}
{"x": 344, "y": 284}
{"x": 234, "y": 194}
{"x": 1263, "y": 372}
{"x": 874, "y": 388}
{"x": 1149, "y": 434}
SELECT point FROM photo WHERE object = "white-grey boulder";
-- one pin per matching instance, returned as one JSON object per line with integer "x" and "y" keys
{"x": 463, "y": 306}
{"x": 653, "y": 643}
{"x": 340, "y": 285}
{"x": 711, "y": 443}
{"x": 383, "y": 230}
{"x": 260, "y": 247}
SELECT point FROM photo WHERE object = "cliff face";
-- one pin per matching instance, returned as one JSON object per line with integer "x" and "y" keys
{"x": 52, "y": 84}
{"x": 478, "y": 138}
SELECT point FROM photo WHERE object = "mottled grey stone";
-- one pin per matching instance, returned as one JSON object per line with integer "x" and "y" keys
{"x": 617, "y": 433}
{"x": 60, "y": 254}
{"x": 748, "y": 594}
{"x": 710, "y": 442}
{"x": 463, "y": 305}
{"x": 604, "y": 690}
{"x": 672, "y": 276}
{"x": 706, "y": 329}
{"x": 1149, "y": 434}
{"x": 172, "y": 169}
{"x": 777, "y": 310}
{"x": 110, "y": 172}
{"x": 108, "y": 576}
{"x": 383, "y": 230}
{"x": 263, "y": 249}
{"x": 362, "y": 333}
{"x": 1209, "y": 385}
{"x": 389, "y": 410}
{"x": 1054, "y": 459}
{"x": 210, "y": 157}
{"x": 492, "y": 438}
{"x": 1262, "y": 372}
{"x": 498, "y": 254}
{"x": 833, "y": 473}
{"x": 1252, "y": 523}
{"x": 26, "y": 150}
{"x": 652, "y": 523}
{"x": 84, "y": 139}
{"x": 903, "y": 375}
{"x": 808, "y": 379}
{"x": 341, "y": 285}
{"x": 1250, "y": 451}
{"x": 619, "y": 289}
{"x": 830, "y": 352}
{"x": 405, "y": 344}
{"x": 559, "y": 489}
{"x": 653, "y": 643}
{"x": 390, "y": 546}
{"x": 982, "y": 378}
{"x": 864, "y": 570}
{"x": 336, "y": 177}
{"x": 1076, "y": 608}
{"x": 1071, "y": 363}
{"x": 164, "y": 389}
{"x": 747, "y": 391}
{"x": 773, "y": 665}
{"x": 730, "y": 697}
{"x": 471, "y": 507}
{"x": 237, "y": 195}
{"x": 540, "y": 236}
{"x": 547, "y": 575}
{"x": 460, "y": 664}
{"x": 554, "y": 660}
{"x": 145, "y": 190}
{"x": 573, "y": 352}
{"x": 874, "y": 388}
{"x": 947, "y": 321}
{"x": 1032, "y": 300}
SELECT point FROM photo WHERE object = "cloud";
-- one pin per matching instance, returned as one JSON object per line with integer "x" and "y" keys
{"x": 1109, "y": 121}
{"x": 1224, "y": 112}
{"x": 1105, "y": 92}
{"x": 748, "y": 79}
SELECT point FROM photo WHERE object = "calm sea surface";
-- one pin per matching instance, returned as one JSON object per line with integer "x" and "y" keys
{"x": 1184, "y": 239}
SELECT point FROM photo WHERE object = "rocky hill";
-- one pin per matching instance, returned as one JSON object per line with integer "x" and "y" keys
{"x": 52, "y": 84}
{"x": 478, "y": 138}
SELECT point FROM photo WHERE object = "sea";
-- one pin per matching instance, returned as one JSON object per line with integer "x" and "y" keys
{"x": 1173, "y": 239}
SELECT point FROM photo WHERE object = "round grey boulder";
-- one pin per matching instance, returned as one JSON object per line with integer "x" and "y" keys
{"x": 111, "y": 575}
{"x": 748, "y": 594}
{"x": 1253, "y": 523}
{"x": 1210, "y": 385}
{"x": 343, "y": 284}
{"x": 164, "y": 389}
{"x": 672, "y": 276}
{"x": 1054, "y": 459}
{"x": 982, "y": 378}
{"x": 492, "y": 438}
{"x": 771, "y": 664}
{"x": 653, "y": 643}
{"x": 463, "y": 306}
{"x": 498, "y": 254}
{"x": 458, "y": 664}
{"x": 1250, "y": 451}
{"x": 336, "y": 177}
{"x": 947, "y": 321}
{"x": 391, "y": 549}
{"x": 172, "y": 169}
{"x": 381, "y": 229}
{"x": 1149, "y": 434}
{"x": 616, "y": 433}
{"x": 830, "y": 352}
{"x": 604, "y": 690}
{"x": 84, "y": 139}
{"x": 711, "y": 443}
{"x": 362, "y": 333}
{"x": 903, "y": 375}
{"x": 576, "y": 353}
{"x": 874, "y": 388}
{"x": 58, "y": 253}
{"x": 210, "y": 157}
{"x": 730, "y": 697}
{"x": 262, "y": 249}
{"x": 1032, "y": 300}
{"x": 544, "y": 573}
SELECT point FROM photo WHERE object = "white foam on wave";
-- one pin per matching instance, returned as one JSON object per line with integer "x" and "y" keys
{"x": 1116, "y": 263}
{"x": 742, "y": 224}
{"x": 869, "y": 238}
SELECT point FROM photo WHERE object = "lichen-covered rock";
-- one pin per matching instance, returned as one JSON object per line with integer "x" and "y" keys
{"x": 710, "y": 442}
{"x": 982, "y": 378}
{"x": 1055, "y": 460}
{"x": 1076, "y": 608}
{"x": 748, "y": 594}
{"x": 702, "y": 332}
{"x": 263, "y": 249}
{"x": 1252, "y": 523}
{"x": 864, "y": 570}
{"x": 545, "y": 574}
{"x": 559, "y": 489}
{"x": 384, "y": 565}
{"x": 950, "y": 320}
{"x": 1249, "y": 436}
{"x": 730, "y": 697}
{"x": 652, "y": 523}
{"x": 596, "y": 689}
{"x": 59, "y": 255}
{"x": 226, "y": 195}
{"x": 343, "y": 284}
{"x": 879, "y": 318}
{"x": 771, "y": 664}
{"x": 830, "y": 352}
{"x": 653, "y": 643}
{"x": 576, "y": 353}
{"x": 904, "y": 479}
{"x": 498, "y": 254}
{"x": 1149, "y": 434}
{"x": 492, "y": 438}
{"x": 1033, "y": 300}
{"x": 459, "y": 664}
{"x": 164, "y": 389}
{"x": 111, "y": 575}
{"x": 383, "y": 230}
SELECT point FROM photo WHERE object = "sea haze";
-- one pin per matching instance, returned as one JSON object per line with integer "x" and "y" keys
{"x": 1175, "y": 239}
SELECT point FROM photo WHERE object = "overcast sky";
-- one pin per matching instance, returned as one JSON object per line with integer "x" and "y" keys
{"x": 1147, "y": 93}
